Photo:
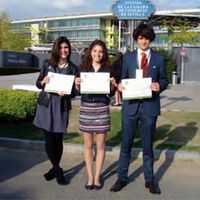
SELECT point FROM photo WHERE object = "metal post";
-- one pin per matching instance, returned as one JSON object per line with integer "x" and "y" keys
{"x": 131, "y": 32}
{"x": 119, "y": 40}
{"x": 182, "y": 69}
{"x": 174, "y": 78}
{"x": 133, "y": 26}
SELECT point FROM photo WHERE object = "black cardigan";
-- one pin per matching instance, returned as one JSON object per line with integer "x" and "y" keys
{"x": 72, "y": 69}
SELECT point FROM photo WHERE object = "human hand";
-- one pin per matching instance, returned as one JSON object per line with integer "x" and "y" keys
{"x": 120, "y": 87}
{"x": 113, "y": 81}
{"x": 155, "y": 87}
{"x": 77, "y": 82}
{"x": 61, "y": 94}
{"x": 45, "y": 80}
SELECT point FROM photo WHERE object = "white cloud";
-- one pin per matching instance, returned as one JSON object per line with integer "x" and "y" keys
{"x": 66, "y": 4}
{"x": 41, "y": 8}
{"x": 175, "y": 4}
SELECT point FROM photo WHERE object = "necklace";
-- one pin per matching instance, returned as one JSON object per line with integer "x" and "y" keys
{"x": 62, "y": 65}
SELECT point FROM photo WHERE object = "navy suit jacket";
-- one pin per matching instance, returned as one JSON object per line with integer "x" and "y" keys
{"x": 156, "y": 70}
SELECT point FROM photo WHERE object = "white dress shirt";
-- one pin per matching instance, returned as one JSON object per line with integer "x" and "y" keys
{"x": 139, "y": 58}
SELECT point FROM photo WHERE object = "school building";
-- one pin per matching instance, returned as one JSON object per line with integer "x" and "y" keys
{"x": 82, "y": 29}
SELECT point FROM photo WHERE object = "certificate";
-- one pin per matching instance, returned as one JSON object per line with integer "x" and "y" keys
{"x": 95, "y": 83}
{"x": 59, "y": 83}
{"x": 136, "y": 88}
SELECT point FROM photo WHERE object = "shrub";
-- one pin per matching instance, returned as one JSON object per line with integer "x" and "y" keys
{"x": 17, "y": 105}
{"x": 170, "y": 62}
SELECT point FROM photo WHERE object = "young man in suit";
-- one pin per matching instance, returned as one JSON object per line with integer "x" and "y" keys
{"x": 141, "y": 111}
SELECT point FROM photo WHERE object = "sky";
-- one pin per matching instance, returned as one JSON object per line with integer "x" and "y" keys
{"x": 24, "y": 9}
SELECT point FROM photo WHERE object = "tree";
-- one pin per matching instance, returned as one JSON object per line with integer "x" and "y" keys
{"x": 5, "y": 31}
{"x": 180, "y": 31}
{"x": 9, "y": 40}
{"x": 42, "y": 33}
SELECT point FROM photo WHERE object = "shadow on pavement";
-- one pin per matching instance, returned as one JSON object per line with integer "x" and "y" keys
{"x": 72, "y": 172}
{"x": 173, "y": 100}
{"x": 170, "y": 135}
{"x": 18, "y": 162}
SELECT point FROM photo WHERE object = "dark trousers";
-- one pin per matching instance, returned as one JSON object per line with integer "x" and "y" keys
{"x": 147, "y": 131}
{"x": 54, "y": 147}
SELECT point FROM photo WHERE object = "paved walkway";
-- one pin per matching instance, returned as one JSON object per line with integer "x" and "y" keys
{"x": 181, "y": 97}
{"x": 21, "y": 178}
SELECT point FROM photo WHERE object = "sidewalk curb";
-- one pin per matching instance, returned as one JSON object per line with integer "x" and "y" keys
{"x": 112, "y": 151}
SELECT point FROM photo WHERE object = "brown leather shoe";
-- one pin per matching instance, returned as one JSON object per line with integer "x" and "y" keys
{"x": 119, "y": 184}
{"x": 152, "y": 187}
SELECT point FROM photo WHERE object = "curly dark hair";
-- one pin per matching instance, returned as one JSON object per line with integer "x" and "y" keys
{"x": 144, "y": 30}
{"x": 87, "y": 60}
{"x": 53, "y": 61}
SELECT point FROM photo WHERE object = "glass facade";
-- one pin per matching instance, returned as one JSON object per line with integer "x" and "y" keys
{"x": 83, "y": 30}
{"x": 74, "y": 23}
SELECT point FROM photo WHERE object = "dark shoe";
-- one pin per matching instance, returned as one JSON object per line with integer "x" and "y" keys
{"x": 119, "y": 184}
{"x": 116, "y": 104}
{"x": 152, "y": 187}
{"x": 50, "y": 175}
{"x": 98, "y": 187}
{"x": 89, "y": 187}
{"x": 60, "y": 177}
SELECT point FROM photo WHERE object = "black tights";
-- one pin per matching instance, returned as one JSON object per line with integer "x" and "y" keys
{"x": 54, "y": 147}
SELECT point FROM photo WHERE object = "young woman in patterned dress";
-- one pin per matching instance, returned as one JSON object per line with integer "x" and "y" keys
{"x": 94, "y": 113}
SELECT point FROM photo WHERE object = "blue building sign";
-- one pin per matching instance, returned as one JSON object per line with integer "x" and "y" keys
{"x": 133, "y": 9}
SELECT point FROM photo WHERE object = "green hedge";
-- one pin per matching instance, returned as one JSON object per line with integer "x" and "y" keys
{"x": 16, "y": 105}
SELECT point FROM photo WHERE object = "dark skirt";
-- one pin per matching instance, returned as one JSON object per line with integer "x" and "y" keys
{"x": 94, "y": 117}
{"x": 51, "y": 118}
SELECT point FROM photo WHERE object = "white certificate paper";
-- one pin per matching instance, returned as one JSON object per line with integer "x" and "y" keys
{"x": 59, "y": 83}
{"x": 95, "y": 83}
{"x": 136, "y": 88}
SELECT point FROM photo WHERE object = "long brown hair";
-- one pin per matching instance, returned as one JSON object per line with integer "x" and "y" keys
{"x": 87, "y": 60}
{"x": 53, "y": 61}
